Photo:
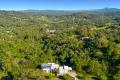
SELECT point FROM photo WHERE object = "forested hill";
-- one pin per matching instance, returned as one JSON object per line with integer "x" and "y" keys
{"x": 87, "y": 41}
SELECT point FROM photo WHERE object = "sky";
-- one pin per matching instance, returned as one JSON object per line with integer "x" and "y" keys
{"x": 58, "y": 4}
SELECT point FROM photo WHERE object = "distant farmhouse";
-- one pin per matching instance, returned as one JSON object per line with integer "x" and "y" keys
{"x": 49, "y": 67}
{"x": 85, "y": 38}
{"x": 51, "y": 31}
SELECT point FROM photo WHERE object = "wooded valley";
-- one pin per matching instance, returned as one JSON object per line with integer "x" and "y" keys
{"x": 88, "y": 41}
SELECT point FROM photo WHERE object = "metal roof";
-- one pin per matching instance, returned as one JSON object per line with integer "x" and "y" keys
{"x": 45, "y": 65}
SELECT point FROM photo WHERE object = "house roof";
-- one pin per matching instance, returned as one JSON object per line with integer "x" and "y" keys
{"x": 45, "y": 65}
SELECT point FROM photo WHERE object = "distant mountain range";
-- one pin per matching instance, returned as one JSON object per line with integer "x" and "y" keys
{"x": 64, "y": 12}
{"x": 69, "y": 12}
{"x": 49, "y": 12}
{"x": 108, "y": 10}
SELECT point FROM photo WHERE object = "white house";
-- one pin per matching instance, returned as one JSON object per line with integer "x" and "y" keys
{"x": 49, "y": 67}
{"x": 64, "y": 69}
{"x": 54, "y": 66}
{"x": 51, "y": 31}
{"x": 85, "y": 38}
{"x": 46, "y": 67}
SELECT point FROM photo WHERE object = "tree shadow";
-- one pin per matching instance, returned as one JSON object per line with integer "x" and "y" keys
{"x": 8, "y": 77}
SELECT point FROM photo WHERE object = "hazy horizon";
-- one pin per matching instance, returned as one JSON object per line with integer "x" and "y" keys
{"x": 56, "y": 9}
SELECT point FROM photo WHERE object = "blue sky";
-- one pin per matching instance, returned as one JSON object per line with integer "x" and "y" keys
{"x": 58, "y": 4}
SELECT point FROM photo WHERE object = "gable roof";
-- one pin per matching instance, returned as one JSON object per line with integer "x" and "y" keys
{"x": 45, "y": 65}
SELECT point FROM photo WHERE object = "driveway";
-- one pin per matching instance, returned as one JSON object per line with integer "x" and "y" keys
{"x": 73, "y": 74}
